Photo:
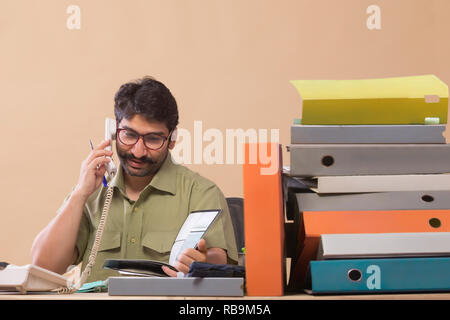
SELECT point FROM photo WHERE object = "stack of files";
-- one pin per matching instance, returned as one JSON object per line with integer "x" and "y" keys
{"x": 381, "y": 263}
{"x": 374, "y": 157}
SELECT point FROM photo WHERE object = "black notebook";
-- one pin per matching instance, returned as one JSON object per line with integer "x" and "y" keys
{"x": 138, "y": 267}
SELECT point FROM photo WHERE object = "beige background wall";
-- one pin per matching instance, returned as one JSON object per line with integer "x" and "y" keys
{"x": 228, "y": 63}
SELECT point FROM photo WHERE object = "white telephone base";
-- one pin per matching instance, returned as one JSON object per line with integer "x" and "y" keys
{"x": 30, "y": 278}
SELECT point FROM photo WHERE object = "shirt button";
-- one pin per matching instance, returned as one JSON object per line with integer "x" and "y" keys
{"x": 133, "y": 240}
{"x": 136, "y": 209}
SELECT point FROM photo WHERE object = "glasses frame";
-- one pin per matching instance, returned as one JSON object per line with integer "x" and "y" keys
{"x": 141, "y": 136}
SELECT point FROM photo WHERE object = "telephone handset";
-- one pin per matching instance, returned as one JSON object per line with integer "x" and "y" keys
{"x": 110, "y": 134}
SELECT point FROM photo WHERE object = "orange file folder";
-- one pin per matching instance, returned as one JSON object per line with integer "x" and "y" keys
{"x": 315, "y": 223}
{"x": 263, "y": 220}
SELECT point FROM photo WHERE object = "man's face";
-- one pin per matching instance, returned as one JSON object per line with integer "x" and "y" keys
{"x": 138, "y": 160}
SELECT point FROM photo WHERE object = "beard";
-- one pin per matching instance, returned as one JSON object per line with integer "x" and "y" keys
{"x": 149, "y": 168}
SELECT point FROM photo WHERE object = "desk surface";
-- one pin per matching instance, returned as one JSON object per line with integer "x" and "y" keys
{"x": 105, "y": 296}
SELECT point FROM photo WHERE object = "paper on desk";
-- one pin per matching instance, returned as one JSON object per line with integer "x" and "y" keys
{"x": 193, "y": 229}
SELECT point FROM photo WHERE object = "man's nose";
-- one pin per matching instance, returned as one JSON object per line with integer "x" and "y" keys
{"x": 139, "y": 150}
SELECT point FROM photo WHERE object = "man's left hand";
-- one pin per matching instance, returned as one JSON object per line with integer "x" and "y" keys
{"x": 187, "y": 257}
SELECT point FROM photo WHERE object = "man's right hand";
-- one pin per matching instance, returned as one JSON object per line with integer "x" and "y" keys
{"x": 93, "y": 169}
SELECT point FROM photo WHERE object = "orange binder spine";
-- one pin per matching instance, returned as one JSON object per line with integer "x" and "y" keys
{"x": 263, "y": 221}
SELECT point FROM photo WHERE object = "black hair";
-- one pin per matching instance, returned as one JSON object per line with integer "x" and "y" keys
{"x": 147, "y": 97}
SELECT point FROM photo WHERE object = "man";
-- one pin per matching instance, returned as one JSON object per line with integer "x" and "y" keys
{"x": 152, "y": 195}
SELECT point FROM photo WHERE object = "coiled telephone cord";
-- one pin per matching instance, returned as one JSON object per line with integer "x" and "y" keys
{"x": 98, "y": 237}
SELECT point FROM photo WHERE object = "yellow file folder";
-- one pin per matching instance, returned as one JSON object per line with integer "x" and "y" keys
{"x": 401, "y": 100}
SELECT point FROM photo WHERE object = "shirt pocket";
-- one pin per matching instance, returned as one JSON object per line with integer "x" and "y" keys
{"x": 157, "y": 245}
{"x": 109, "y": 248}
{"x": 110, "y": 241}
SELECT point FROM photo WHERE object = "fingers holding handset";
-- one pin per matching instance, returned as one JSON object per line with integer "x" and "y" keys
{"x": 99, "y": 156}
{"x": 93, "y": 169}
{"x": 95, "y": 154}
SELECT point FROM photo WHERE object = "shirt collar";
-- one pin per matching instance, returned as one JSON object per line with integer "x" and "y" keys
{"x": 165, "y": 179}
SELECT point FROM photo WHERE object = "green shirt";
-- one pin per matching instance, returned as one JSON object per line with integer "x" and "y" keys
{"x": 147, "y": 228}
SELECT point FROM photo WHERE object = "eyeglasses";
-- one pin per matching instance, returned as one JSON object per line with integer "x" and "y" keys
{"x": 152, "y": 141}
